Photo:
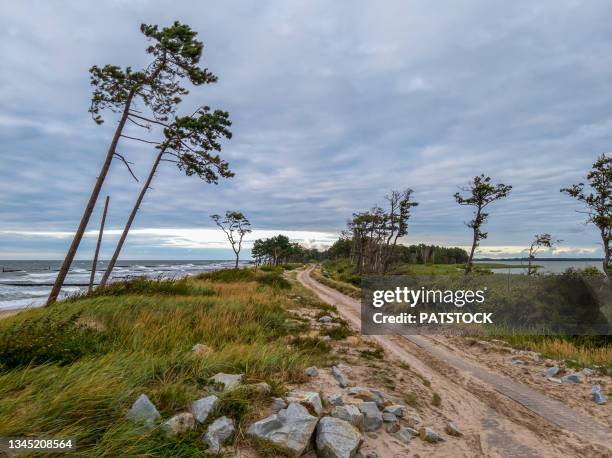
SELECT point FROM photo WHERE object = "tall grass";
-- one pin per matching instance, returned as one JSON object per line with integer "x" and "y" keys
{"x": 143, "y": 333}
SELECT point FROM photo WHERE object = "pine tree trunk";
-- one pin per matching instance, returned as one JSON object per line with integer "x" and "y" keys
{"x": 128, "y": 225}
{"x": 78, "y": 236}
{"x": 95, "y": 259}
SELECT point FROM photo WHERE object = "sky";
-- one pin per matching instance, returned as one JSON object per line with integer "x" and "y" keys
{"x": 333, "y": 104}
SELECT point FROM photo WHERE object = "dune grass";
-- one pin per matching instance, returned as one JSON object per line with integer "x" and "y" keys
{"x": 73, "y": 370}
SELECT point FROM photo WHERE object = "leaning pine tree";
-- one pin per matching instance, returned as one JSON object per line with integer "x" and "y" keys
{"x": 188, "y": 143}
{"x": 480, "y": 193}
{"x": 147, "y": 96}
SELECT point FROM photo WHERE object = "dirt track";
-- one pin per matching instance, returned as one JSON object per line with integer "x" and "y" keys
{"x": 508, "y": 418}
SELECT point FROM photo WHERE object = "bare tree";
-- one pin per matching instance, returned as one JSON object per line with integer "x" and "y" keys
{"x": 481, "y": 192}
{"x": 175, "y": 55}
{"x": 539, "y": 241}
{"x": 188, "y": 143}
{"x": 598, "y": 203}
{"x": 235, "y": 226}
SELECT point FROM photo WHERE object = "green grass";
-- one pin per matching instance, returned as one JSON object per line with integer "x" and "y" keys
{"x": 74, "y": 369}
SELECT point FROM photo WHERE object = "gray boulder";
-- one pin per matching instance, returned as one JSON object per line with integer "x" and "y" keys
{"x": 429, "y": 435}
{"x": 179, "y": 424}
{"x": 388, "y": 417}
{"x": 325, "y": 319}
{"x": 335, "y": 399}
{"x": 219, "y": 433}
{"x": 396, "y": 409}
{"x": 262, "y": 388}
{"x": 337, "y": 438}
{"x": 203, "y": 407}
{"x": 290, "y": 429}
{"x": 278, "y": 404}
{"x": 551, "y": 371}
{"x": 227, "y": 381}
{"x": 452, "y": 430}
{"x": 597, "y": 395}
{"x": 144, "y": 411}
{"x": 571, "y": 378}
{"x": 588, "y": 372}
{"x": 406, "y": 434}
{"x": 350, "y": 413}
{"x": 309, "y": 399}
{"x": 339, "y": 376}
{"x": 372, "y": 417}
{"x": 311, "y": 371}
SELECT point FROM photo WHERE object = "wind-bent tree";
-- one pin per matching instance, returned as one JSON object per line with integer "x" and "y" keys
{"x": 481, "y": 192}
{"x": 175, "y": 55}
{"x": 598, "y": 203}
{"x": 188, "y": 143}
{"x": 539, "y": 241}
{"x": 235, "y": 226}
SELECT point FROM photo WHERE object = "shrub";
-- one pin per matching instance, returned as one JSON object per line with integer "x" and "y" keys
{"x": 273, "y": 279}
{"x": 51, "y": 339}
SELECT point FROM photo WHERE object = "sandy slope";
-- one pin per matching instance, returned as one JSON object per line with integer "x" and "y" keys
{"x": 503, "y": 417}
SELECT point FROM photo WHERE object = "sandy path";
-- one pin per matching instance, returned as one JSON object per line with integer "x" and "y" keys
{"x": 511, "y": 418}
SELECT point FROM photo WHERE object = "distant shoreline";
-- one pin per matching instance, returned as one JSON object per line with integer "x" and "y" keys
{"x": 540, "y": 259}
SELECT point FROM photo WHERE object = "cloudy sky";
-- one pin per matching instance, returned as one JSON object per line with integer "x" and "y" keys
{"x": 333, "y": 104}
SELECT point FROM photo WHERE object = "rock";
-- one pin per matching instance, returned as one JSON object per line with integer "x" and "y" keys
{"x": 554, "y": 380}
{"x": 406, "y": 434}
{"x": 201, "y": 350}
{"x": 588, "y": 372}
{"x": 290, "y": 429}
{"x": 228, "y": 381}
{"x": 388, "y": 417}
{"x": 392, "y": 427}
{"x": 144, "y": 411}
{"x": 516, "y": 361}
{"x": 335, "y": 399}
{"x": 366, "y": 395}
{"x": 311, "y": 371}
{"x": 337, "y": 438}
{"x": 350, "y": 413}
{"x": 278, "y": 404}
{"x": 179, "y": 424}
{"x": 339, "y": 376}
{"x": 262, "y": 388}
{"x": 571, "y": 378}
{"x": 325, "y": 319}
{"x": 309, "y": 399}
{"x": 452, "y": 430}
{"x": 345, "y": 368}
{"x": 597, "y": 396}
{"x": 381, "y": 397}
{"x": 429, "y": 435}
{"x": 413, "y": 421}
{"x": 396, "y": 409}
{"x": 203, "y": 407}
{"x": 372, "y": 418}
{"x": 219, "y": 433}
{"x": 326, "y": 338}
{"x": 551, "y": 371}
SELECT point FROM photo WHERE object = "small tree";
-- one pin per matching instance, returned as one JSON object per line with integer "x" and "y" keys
{"x": 481, "y": 192}
{"x": 235, "y": 226}
{"x": 539, "y": 241}
{"x": 598, "y": 203}
{"x": 175, "y": 55}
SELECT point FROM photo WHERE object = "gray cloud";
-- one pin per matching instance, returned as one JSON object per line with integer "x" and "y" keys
{"x": 333, "y": 105}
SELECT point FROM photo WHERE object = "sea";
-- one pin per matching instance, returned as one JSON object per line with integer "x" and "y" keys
{"x": 25, "y": 284}
{"x": 546, "y": 266}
